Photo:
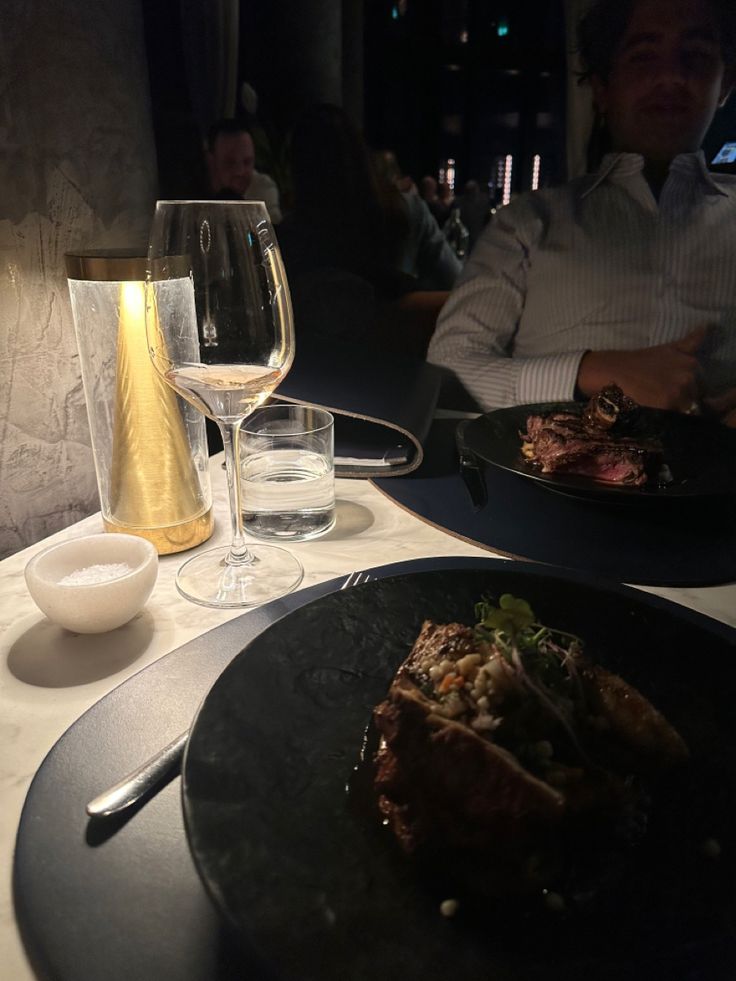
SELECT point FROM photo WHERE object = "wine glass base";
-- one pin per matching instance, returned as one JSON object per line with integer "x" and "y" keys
{"x": 207, "y": 579}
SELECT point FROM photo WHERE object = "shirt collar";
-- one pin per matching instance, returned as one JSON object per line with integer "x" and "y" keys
{"x": 616, "y": 166}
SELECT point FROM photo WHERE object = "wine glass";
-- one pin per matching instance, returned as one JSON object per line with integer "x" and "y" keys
{"x": 220, "y": 332}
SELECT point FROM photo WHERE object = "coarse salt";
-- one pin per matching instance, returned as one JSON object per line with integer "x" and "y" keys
{"x": 96, "y": 573}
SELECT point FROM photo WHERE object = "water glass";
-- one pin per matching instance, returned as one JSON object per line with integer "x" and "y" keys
{"x": 287, "y": 472}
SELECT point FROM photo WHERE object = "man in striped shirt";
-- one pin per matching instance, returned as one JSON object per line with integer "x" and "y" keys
{"x": 627, "y": 275}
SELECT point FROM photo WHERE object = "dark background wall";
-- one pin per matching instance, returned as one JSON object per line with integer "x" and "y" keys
{"x": 471, "y": 80}
{"x": 430, "y": 79}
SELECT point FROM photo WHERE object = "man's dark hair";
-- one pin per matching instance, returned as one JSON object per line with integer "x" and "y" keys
{"x": 227, "y": 127}
{"x": 604, "y": 24}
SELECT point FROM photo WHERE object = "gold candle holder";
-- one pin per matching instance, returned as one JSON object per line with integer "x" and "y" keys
{"x": 149, "y": 446}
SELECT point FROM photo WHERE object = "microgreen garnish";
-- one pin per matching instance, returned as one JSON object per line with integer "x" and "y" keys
{"x": 543, "y": 657}
{"x": 512, "y": 615}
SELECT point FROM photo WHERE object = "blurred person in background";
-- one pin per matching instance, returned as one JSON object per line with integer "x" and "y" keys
{"x": 429, "y": 193}
{"x": 231, "y": 165}
{"x": 344, "y": 244}
{"x": 475, "y": 209}
{"x": 446, "y": 195}
{"x": 627, "y": 275}
{"x": 231, "y": 168}
{"x": 424, "y": 254}
{"x": 339, "y": 217}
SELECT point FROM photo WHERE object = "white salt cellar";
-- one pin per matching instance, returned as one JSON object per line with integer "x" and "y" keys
{"x": 93, "y": 584}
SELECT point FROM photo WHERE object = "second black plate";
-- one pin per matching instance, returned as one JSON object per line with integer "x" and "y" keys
{"x": 700, "y": 453}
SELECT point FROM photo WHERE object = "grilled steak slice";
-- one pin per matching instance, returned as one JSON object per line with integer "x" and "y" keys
{"x": 451, "y": 775}
{"x": 589, "y": 443}
{"x": 439, "y": 781}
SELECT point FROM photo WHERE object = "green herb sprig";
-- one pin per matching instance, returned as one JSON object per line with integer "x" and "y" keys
{"x": 543, "y": 657}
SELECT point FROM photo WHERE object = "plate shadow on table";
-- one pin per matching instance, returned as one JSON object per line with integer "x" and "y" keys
{"x": 48, "y": 656}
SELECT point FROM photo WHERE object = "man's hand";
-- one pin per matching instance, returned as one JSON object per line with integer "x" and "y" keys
{"x": 663, "y": 377}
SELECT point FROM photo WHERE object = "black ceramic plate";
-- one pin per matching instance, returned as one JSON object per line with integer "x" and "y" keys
{"x": 316, "y": 888}
{"x": 700, "y": 453}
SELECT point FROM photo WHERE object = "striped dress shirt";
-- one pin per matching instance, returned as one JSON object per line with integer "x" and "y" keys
{"x": 597, "y": 264}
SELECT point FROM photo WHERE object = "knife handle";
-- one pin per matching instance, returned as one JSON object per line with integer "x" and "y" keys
{"x": 131, "y": 788}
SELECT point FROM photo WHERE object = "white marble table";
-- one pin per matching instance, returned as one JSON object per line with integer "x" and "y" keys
{"x": 48, "y": 678}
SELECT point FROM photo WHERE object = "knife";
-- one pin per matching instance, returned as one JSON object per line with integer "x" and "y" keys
{"x": 136, "y": 784}
{"x": 471, "y": 468}
{"x": 151, "y": 774}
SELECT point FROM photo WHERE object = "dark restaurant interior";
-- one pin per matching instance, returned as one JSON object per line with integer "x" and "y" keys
{"x": 471, "y": 81}
{"x": 107, "y": 109}
{"x": 429, "y": 673}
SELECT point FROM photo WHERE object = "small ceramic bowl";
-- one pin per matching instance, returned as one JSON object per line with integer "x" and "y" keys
{"x": 93, "y": 584}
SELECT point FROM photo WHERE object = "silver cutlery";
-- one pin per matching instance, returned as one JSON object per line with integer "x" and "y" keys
{"x": 131, "y": 788}
{"x": 148, "y": 775}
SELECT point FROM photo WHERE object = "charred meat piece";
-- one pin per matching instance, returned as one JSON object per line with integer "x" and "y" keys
{"x": 590, "y": 444}
{"x": 494, "y": 753}
{"x": 607, "y": 408}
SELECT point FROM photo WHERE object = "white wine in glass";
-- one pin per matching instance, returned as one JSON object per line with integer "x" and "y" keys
{"x": 220, "y": 332}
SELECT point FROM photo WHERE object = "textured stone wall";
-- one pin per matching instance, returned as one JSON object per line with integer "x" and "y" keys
{"x": 77, "y": 170}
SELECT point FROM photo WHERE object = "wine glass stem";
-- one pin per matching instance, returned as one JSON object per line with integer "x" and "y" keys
{"x": 238, "y": 554}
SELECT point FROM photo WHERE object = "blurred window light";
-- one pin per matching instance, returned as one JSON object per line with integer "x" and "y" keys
{"x": 450, "y": 174}
{"x": 499, "y": 173}
{"x": 536, "y": 170}
{"x": 508, "y": 171}
{"x": 463, "y": 37}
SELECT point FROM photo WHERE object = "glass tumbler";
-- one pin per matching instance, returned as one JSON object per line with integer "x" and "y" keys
{"x": 287, "y": 472}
